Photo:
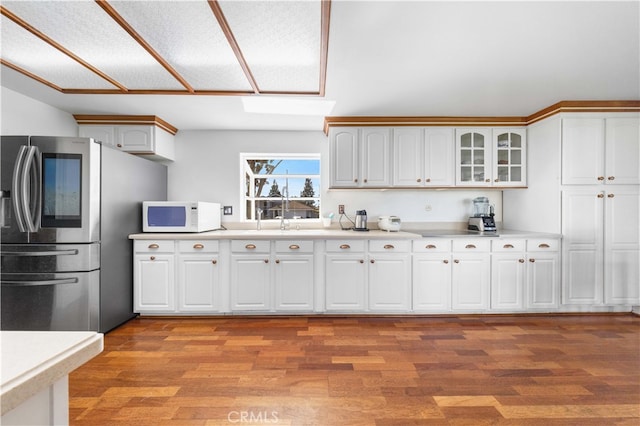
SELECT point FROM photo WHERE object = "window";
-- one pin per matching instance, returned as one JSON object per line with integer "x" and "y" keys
{"x": 281, "y": 185}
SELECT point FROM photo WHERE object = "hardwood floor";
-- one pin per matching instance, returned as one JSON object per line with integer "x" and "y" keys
{"x": 466, "y": 370}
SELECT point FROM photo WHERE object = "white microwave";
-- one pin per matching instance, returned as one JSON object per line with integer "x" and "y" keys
{"x": 180, "y": 216}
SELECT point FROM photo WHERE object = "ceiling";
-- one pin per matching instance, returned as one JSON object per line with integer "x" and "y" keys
{"x": 192, "y": 62}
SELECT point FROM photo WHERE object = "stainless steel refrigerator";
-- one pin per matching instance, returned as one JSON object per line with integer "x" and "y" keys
{"x": 67, "y": 206}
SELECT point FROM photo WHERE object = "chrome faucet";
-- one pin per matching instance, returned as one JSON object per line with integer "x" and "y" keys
{"x": 259, "y": 214}
{"x": 284, "y": 223}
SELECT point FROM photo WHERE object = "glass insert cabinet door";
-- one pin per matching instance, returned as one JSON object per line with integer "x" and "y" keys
{"x": 509, "y": 167}
{"x": 473, "y": 147}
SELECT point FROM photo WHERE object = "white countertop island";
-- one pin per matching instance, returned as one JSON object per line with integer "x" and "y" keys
{"x": 34, "y": 373}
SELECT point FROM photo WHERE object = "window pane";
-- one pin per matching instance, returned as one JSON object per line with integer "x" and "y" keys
{"x": 285, "y": 166}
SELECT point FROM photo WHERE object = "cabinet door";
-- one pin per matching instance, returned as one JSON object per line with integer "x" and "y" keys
{"x": 622, "y": 153}
{"x": 198, "y": 283}
{"x": 470, "y": 281}
{"x": 582, "y": 151}
{"x": 438, "y": 157}
{"x": 622, "y": 246}
{"x": 583, "y": 238}
{"x": 135, "y": 138}
{"x": 543, "y": 277}
{"x": 432, "y": 282}
{"x": 473, "y": 157}
{"x": 345, "y": 278}
{"x": 375, "y": 151}
{"x": 294, "y": 282}
{"x": 154, "y": 283}
{"x": 509, "y": 157}
{"x": 250, "y": 282}
{"x": 408, "y": 156}
{"x": 390, "y": 282}
{"x": 344, "y": 157}
{"x": 507, "y": 280}
{"x": 103, "y": 134}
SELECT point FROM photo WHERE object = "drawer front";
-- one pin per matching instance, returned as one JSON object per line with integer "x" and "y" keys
{"x": 432, "y": 245}
{"x": 201, "y": 246}
{"x": 248, "y": 246}
{"x": 543, "y": 244}
{"x": 390, "y": 246}
{"x": 471, "y": 245}
{"x": 345, "y": 246}
{"x": 154, "y": 246}
{"x": 292, "y": 246}
{"x": 508, "y": 246}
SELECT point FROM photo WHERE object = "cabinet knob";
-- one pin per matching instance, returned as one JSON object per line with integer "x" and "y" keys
{"x": 532, "y": 260}
{"x": 345, "y": 246}
{"x": 445, "y": 261}
{"x": 508, "y": 246}
{"x": 487, "y": 180}
{"x": 361, "y": 261}
{"x": 543, "y": 245}
{"x": 428, "y": 180}
{"x": 278, "y": 261}
{"x": 456, "y": 261}
{"x": 266, "y": 261}
{"x": 366, "y": 180}
{"x": 389, "y": 246}
{"x": 294, "y": 247}
{"x": 430, "y": 246}
{"x": 470, "y": 246}
{"x": 610, "y": 195}
{"x": 152, "y": 258}
{"x": 600, "y": 178}
{"x": 496, "y": 180}
{"x": 119, "y": 145}
{"x": 198, "y": 246}
{"x": 250, "y": 246}
{"x": 418, "y": 180}
{"x": 600, "y": 195}
{"x": 356, "y": 180}
{"x": 611, "y": 178}
{"x": 154, "y": 246}
{"x": 521, "y": 260}
{"x": 215, "y": 262}
{"x": 372, "y": 261}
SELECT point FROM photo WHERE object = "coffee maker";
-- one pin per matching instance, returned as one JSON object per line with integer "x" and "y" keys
{"x": 483, "y": 216}
{"x": 361, "y": 221}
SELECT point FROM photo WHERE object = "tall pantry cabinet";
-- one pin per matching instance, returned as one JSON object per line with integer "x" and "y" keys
{"x": 584, "y": 182}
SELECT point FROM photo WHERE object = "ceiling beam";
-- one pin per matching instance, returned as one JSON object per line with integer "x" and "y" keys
{"x": 325, "y": 17}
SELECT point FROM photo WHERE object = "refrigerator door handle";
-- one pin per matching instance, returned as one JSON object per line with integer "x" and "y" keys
{"x": 38, "y": 282}
{"x": 17, "y": 189}
{"x": 31, "y": 199}
{"x": 71, "y": 252}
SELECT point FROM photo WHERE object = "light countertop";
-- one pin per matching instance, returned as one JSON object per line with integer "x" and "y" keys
{"x": 33, "y": 360}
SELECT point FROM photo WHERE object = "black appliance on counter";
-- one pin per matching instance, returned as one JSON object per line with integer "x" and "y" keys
{"x": 67, "y": 207}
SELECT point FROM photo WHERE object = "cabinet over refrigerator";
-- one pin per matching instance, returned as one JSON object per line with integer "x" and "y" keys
{"x": 67, "y": 206}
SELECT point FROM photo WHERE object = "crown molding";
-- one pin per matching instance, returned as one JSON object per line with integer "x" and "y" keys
{"x": 563, "y": 106}
{"x": 126, "y": 119}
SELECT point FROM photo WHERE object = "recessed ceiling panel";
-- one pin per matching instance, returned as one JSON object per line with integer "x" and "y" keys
{"x": 280, "y": 41}
{"x": 87, "y": 31}
{"x": 25, "y": 50}
{"x": 187, "y": 35}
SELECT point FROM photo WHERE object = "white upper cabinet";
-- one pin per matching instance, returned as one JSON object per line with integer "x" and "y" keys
{"x": 473, "y": 157}
{"x": 147, "y": 140}
{"x": 423, "y": 156}
{"x": 509, "y": 157}
{"x": 344, "y": 157}
{"x": 375, "y": 149}
{"x": 597, "y": 150}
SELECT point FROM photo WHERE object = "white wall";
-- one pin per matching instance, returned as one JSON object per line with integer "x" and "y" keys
{"x": 21, "y": 115}
{"x": 207, "y": 168}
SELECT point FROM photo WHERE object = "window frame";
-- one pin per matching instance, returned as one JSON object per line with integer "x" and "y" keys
{"x": 247, "y": 195}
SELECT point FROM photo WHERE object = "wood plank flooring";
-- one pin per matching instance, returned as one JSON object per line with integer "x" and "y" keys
{"x": 400, "y": 371}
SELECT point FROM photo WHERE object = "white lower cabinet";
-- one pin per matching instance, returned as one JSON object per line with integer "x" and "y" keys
{"x": 154, "y": 276}
{"x": 508, "y": 267}
{"x": 470, "y": 275}
{"x": 345, "y": 276}
{"x": 198, "y": 276}
{"x": 543, "y": 274}
{"x": 294, "y": 275}
{"x": 432, "y": 275}
{"x": 389, "y": 275}
{"x": 251, "y": 275}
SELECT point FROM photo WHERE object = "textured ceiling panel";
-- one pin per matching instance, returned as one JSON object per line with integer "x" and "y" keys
{"x": 280, "y": 40}
{"x": 187, "y": 36}
{"x": 25, "y": 50}
{"x": 86, "y": 30}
